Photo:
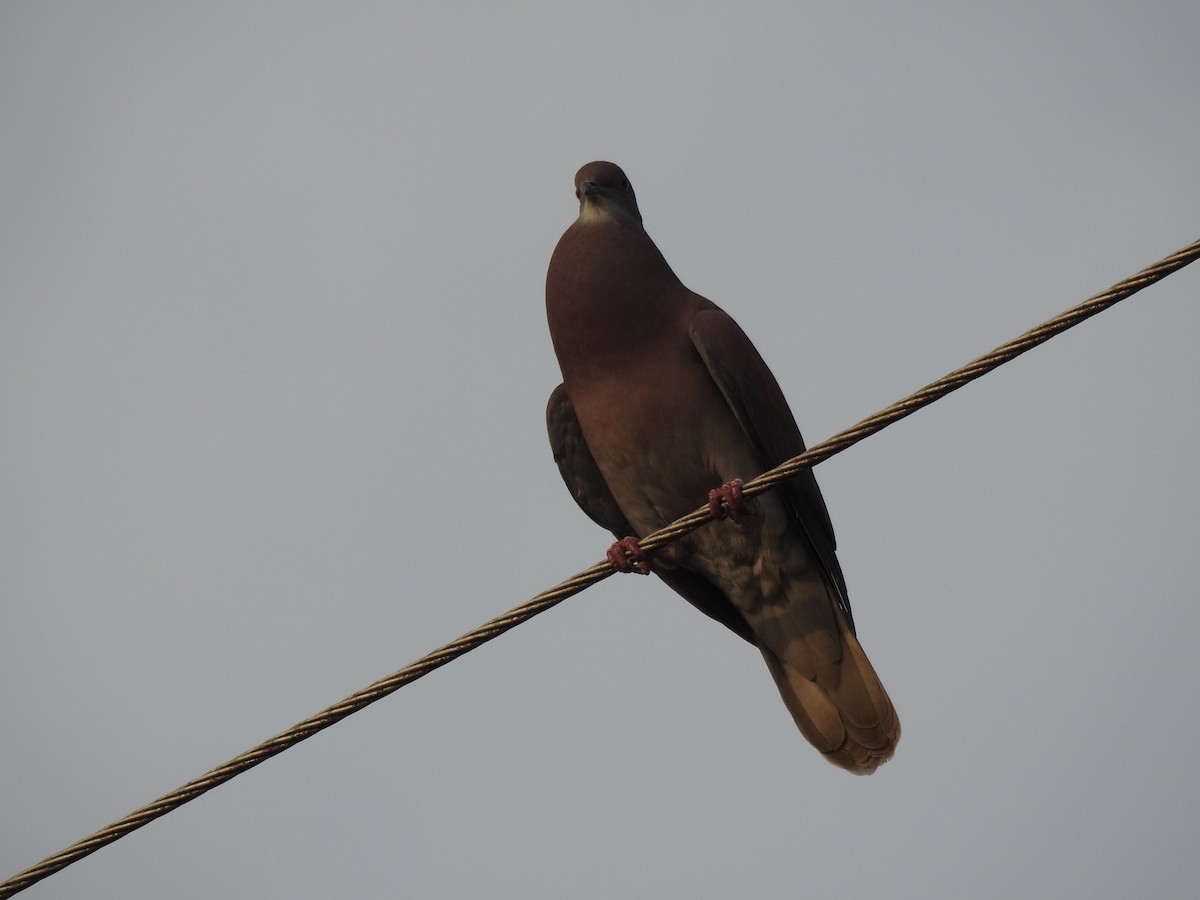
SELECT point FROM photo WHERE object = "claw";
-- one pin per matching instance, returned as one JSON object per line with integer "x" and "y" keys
{"x": 626, "y": 555}
{"x": 736, "y": 506}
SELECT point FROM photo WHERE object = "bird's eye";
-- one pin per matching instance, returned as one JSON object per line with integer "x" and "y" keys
{"x": 624, "y": 184}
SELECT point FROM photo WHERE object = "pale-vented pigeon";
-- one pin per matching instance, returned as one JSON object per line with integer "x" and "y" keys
{"x": 663, "y": 399}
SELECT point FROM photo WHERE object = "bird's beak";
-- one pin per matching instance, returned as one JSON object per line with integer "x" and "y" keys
{"x": 589, "y": 187}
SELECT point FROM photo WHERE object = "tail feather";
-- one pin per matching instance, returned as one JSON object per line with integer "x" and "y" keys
{"x": 847, "y": 714}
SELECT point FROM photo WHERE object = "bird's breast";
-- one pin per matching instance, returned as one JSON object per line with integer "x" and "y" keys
{"x": 662, "y": 436}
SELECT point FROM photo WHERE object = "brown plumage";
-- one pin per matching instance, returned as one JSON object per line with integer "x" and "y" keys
{"x": 663, "y": 398}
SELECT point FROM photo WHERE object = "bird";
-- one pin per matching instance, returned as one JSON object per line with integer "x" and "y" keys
{"x": 664, "y": 401}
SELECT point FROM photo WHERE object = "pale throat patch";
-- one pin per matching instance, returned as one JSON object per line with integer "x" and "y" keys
{"x": 593, "y": 212}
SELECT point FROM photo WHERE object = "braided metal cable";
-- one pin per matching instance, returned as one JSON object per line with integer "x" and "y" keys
{"x": 596, "y": 573}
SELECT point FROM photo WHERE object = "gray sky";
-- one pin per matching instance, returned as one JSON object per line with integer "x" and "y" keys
{"x": 273, "y": 365}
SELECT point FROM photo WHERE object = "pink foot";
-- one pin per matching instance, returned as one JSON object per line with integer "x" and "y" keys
{"x": 626, "y": 555}
{"x": 736, "y": 506}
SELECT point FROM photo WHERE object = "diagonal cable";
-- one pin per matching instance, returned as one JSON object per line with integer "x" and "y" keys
{"x": 596, "y": 573}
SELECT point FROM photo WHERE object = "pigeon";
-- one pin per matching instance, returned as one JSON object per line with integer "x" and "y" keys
{"x": 665, "y": 402}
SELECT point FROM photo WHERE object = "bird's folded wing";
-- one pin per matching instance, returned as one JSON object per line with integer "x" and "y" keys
{"x": 759, "y": 405}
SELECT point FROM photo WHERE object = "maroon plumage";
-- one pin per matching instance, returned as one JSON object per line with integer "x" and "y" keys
{"x": 663, "y": 398}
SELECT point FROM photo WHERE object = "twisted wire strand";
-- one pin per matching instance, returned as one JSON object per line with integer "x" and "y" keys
{"x": 596, "y": 573}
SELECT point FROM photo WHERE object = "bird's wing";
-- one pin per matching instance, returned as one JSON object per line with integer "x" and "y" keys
{"x": 578, "y": 468}
{"x": 759, "y": 405}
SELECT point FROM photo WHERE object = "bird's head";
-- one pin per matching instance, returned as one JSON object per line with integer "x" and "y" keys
{"x": 604, "y": 191}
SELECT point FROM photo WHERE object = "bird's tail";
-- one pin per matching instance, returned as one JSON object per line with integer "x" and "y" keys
{"x": 846, "y": 713}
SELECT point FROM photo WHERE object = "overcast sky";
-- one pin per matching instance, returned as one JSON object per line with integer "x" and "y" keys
{"x": 273, "y": 366}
